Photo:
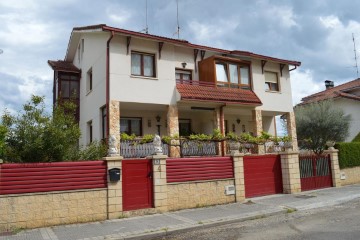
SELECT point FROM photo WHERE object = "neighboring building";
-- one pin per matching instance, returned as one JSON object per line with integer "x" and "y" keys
{"x": 345, "y": 96}
{"x": 145, "y": 84}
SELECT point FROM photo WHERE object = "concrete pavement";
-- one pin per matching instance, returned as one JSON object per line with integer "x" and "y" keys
{"x": 160, "y": 224}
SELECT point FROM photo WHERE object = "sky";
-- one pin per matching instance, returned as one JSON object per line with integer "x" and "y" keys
{"x": 316, "y": 32}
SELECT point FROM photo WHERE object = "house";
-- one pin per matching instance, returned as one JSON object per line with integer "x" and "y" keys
{"x": 126, "y": 81}
{"x": 345, "y": 96}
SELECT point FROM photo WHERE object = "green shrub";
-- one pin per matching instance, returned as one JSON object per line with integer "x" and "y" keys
{"x": 349, "y": 154}
{"x": 356, "y": 138}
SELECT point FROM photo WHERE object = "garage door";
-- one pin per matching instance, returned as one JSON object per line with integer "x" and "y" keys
{"x": 262, "y": 175}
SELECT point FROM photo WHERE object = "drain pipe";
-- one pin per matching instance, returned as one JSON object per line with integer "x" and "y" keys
{"x": 108, "y": 84}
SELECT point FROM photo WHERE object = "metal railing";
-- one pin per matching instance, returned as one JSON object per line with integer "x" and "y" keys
{"x": 136, "y": 149}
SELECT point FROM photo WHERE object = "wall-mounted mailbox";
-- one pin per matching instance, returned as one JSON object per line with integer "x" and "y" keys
{"x": 114, "y": 174}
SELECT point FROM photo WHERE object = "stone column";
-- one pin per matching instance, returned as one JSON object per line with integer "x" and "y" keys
{"x": 173, "y": 128}
{"x": 291, "y": 129}
{"x": 238, "y": 159}
{"x": 114, "y": 201}
{"x": 335, "y": 169}
{"x": 258, "y": 128}
{"x": 290, "y": 172}
{"x": 114, "y": 121}
{"x": 217, "y": 122}
{"x": 159, "y": 182}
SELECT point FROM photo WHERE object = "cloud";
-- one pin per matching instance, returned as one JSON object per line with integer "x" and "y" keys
{"x": 303, "y": 84}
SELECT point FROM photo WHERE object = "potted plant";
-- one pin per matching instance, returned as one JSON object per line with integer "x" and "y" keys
{"x": 234, "y": 141}
{"x": 287, "y": 141}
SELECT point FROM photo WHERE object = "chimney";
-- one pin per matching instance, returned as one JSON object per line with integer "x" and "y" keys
{"x": 329, "y": 84}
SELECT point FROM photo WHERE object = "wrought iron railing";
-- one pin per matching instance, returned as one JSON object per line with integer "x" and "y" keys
{"x": 198, "y": 148}
{"x": 136, "y": 149}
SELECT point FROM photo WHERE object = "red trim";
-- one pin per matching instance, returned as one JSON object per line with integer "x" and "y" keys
{"x": 186, "y": 43}
{"x": 108, "y": 83}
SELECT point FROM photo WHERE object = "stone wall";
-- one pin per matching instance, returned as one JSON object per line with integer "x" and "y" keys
{"x": 198, "y": 194}
{"x": 52, "y": 208}
{"x": 352, "y": 175}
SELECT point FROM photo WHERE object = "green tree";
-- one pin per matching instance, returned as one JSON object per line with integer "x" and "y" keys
{"x": 320, "y": 122}
{"x": 35, "y": 136}
{"x": 3, "y": 132}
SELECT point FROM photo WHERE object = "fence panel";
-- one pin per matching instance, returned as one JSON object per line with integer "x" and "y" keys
{"x": 195, "y": 169}
{"x": 57, "y": 176}
{"x": 133, "y": 149}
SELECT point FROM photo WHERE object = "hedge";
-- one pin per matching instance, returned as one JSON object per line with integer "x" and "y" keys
{"x": 349, "y": 154}
{"x": 356, "y": 138}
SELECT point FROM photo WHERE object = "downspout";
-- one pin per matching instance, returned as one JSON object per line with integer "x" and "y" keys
{"x": 108, "y": 84}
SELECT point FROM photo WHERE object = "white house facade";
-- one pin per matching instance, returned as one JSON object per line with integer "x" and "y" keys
{"x": 132, "y": 82}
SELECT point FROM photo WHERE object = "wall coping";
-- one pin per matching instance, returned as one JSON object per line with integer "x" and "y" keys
{"x": 160, "y": 156}
{"x": 331, "y": 151}
{"x": 289, "y": 153}
{"x": 53, "y": 192}
{"x": 113, "y": 158}
{"x": 200, "y": 181}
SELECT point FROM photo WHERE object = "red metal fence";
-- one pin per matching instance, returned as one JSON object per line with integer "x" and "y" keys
{"x": 315, "y": 172}
{"x": 204, "y": 168}
{"x": 58, "y": 176}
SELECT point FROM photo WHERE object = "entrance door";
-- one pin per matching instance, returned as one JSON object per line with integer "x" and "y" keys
{"x": 137, "y": 184}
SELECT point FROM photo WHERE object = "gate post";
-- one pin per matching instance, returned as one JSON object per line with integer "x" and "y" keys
{"x": 335, "y": 169}
{"x": 114, "y": 196}
{"x": 238, "y": 159}
{"x": 290, "y": 172}
{"x": 159, "y": 182}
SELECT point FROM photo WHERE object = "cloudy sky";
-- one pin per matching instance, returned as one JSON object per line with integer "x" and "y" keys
{"x": 316, "y": 32}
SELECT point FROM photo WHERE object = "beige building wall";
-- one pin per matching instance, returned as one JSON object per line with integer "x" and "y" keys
{"x": 198, "y": 194}
{"x": 352, "y": 175}
{"x": 52, "y": 208}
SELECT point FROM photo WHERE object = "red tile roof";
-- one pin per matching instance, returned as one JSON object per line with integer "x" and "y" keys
{"x": 334, "y": 92}
{"x": 60, "y": 65}
{"x": 185, "y": 43}
{"x": 220, "y": 95}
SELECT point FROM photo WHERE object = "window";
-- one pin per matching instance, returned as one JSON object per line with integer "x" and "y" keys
{"x": 184, "y": 127}
{"x": 69, "y": 86}
{"x": 271, "y": 81}
{"x": 142, "y": 64}
{"x": 131, "y": 126}
{"x": 103, "y": 122}
{"x": 232, "y": 75}
{"x": 89, "y": 79}
{"x": 182, "y": 74}
{"x": 90, "y": 132}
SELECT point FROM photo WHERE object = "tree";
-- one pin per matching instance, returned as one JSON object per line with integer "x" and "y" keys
{"x": 319, "y": 122}
{"x": 35, "y": 136}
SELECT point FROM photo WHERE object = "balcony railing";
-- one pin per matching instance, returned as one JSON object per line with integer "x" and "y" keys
{"x": 136, "y": 149}
{"x": 195, "y": 82}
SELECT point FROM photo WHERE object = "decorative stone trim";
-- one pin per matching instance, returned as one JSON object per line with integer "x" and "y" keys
{"x": 173, "y": 128}
{"x": 291, "y": 129}
{"x": 159, "y": 181}
{"x": 238, "y": 159}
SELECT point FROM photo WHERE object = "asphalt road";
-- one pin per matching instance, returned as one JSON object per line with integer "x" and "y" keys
{"x": 338, "y": 222}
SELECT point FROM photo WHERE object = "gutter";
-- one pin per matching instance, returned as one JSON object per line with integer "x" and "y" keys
{"x": 108, "y": 84}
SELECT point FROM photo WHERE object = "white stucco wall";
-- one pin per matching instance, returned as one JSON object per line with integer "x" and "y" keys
{"x": 351, "y": 107}
{"x": 94, "y": 57}
{"x": 280, "y": 101}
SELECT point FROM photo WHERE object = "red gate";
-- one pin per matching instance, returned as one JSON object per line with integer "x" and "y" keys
{"x": 137, "y": 184}
{"x": 262, "y": 175}
{"x": 315, "y": 172}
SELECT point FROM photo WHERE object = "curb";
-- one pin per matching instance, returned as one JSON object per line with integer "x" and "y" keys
{"x": 200, "y": 226}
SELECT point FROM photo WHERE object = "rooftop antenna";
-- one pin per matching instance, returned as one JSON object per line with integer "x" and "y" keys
{"x": 177, "y": 20}
{"x": 356, "y": 65}
{"x": 146, "y": 29}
